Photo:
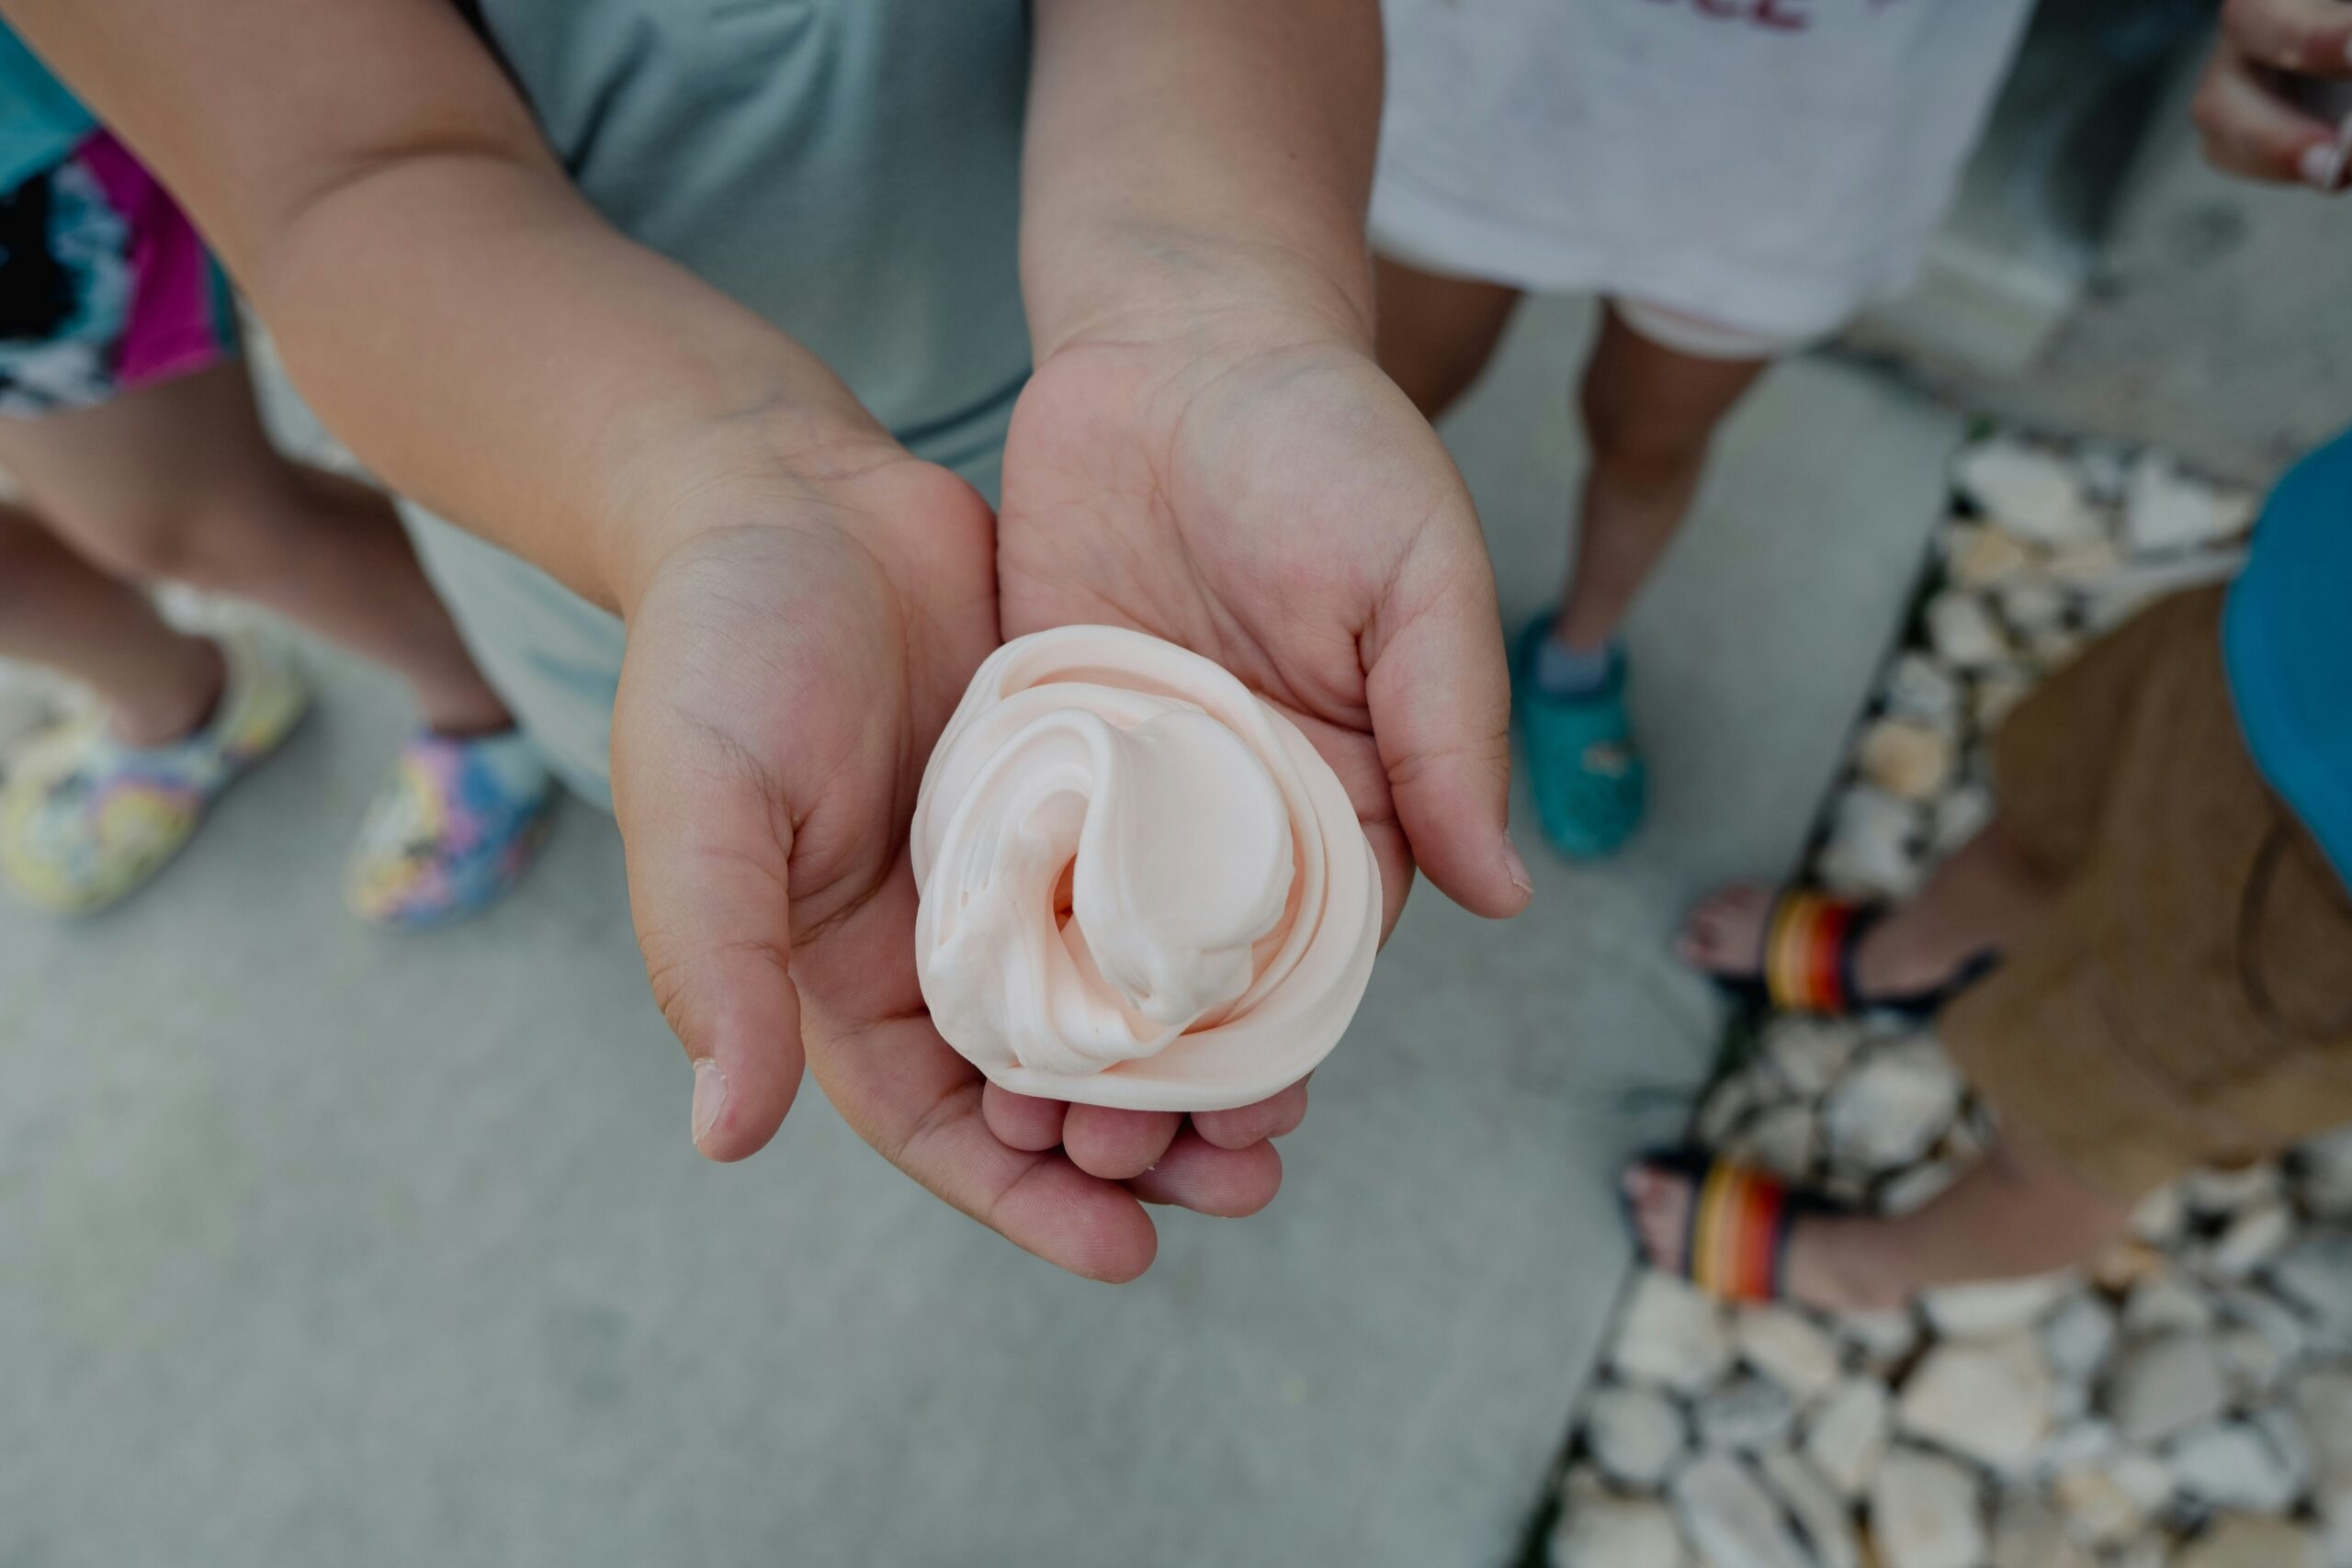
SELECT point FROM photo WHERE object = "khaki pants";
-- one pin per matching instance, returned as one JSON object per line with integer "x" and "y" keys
{"x": 2189, "y": 1000}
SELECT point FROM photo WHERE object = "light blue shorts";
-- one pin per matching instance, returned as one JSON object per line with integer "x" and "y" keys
{"x": 555, "y": 658}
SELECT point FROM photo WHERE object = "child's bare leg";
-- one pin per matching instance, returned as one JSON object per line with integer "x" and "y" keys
{"x": 1436, "y": 334}
{"x": 1984, "y": 897}
{"x": 59, "y": 611}
{"x": 1649, "y": 414}
{"x": 178, "y": 481}
{"x": 2017, "y": 1211}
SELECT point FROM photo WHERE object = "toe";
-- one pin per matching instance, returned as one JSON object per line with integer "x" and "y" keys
{"x": 1724, "y": 933}
{"x": 1658, "y": 1208}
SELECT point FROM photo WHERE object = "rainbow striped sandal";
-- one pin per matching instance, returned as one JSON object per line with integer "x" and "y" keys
{"x": 1807, "y": 966}
{"x": 1735, "y": 1244}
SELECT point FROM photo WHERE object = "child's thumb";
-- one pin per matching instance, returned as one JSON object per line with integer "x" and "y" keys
{"x": 707, "y": 838}
{"x": 1439, "y": 695}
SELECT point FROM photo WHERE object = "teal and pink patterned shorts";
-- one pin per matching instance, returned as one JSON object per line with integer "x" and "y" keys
{"x": 104, "y": 286}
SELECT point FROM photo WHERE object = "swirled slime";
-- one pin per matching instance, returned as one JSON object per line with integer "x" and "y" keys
{"x": 1140, "y": 886}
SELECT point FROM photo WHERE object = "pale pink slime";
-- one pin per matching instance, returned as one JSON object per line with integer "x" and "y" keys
{"x": 1140, "y": 886}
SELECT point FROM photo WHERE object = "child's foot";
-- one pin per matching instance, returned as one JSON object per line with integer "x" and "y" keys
{"x": 1908, "y": 953}
{"x": 459, "y": 825}
{"x": 1588, "y": 780}
{"x": 1813, "y": 1273}
{"x": 86, "y": 817}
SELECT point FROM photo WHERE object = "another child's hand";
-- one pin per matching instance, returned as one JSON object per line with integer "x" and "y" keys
{"x": 2250, "y": 121}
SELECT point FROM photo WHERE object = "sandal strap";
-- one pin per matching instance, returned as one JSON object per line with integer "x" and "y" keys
{"x": 1808, "y": 952}
{"x": 1740, "y": 1221}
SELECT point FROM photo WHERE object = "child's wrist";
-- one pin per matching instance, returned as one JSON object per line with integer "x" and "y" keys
{"x": 1164, "y": 285}
{"x": 745, "y": 471}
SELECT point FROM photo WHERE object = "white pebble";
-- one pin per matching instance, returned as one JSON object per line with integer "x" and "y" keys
{"x": 1616, "y": 1532}
{"x": 1671, "y": 1335}
{"x": 1849, "y": 1435}
{"x": 1789, "y": 1349}
{"x": 1986, "y": 1400}
{"x": 1925, "y": 1512}
{"x": 2161, "y": 1386}
{"x": 1964, "y": 630}
{"x": 2030, "y": 491}
{"x": 1732, "y": 1519}
{"x": 1636, "y": 1435}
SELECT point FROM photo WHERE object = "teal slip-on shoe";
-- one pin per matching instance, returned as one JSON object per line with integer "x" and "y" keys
{"x": 1589, "y": 782}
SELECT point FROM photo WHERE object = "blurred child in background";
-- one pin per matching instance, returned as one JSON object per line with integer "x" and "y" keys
{"x": 2146, "y": 957}
{"x": 2144, "y": 962}
{"x": 1737, "y": 178}
{"x": 129, "y": 425}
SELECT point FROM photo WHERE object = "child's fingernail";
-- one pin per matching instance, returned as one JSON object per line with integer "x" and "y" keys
{"x": 710, "y": 1097}
{"x": 1515, "y": 867}
{"x": 2322, "y": 166}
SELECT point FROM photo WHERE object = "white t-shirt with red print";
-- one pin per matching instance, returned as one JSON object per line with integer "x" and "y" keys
{"x": 1769, "y": 164}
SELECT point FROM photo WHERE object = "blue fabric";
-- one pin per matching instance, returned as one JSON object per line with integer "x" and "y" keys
{"x": 2287, "y": 644}
{"x": 40, "y": 121}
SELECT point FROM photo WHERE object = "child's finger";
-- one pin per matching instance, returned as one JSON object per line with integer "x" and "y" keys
{"x": 708, "y": 841}
{"x": 1023, "y": 1121}
{"x": 2310, "y": 38}
{"x": 1247, "y": 1125}
{"x": 896, "y": 1083}
{"x": 2249, "y": 130}
{"x": 1440, "y": 697}
{"x": 1229, "y": 1183}
{"x": 1115, "y": 1144}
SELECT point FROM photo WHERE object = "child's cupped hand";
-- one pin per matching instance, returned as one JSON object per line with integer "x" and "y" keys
{"x": 791, "y": 657}
{"x": 1270, "y": 499}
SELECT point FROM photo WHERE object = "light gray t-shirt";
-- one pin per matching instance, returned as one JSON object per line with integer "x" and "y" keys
{"x": 848, "y": 168}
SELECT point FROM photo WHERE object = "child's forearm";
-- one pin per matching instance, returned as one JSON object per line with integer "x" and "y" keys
{"x": 496, "y": 351}
{"x": 448, "y": 304}
{"x": 1191, "y": 155}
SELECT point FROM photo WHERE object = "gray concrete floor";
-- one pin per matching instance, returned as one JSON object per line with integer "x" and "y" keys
{"x": 320, "y": 1246}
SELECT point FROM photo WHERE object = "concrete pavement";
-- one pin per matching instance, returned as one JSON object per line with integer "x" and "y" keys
{"x": 322, "y": 1245}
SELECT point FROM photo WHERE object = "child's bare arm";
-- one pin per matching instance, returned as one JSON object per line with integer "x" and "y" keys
{"x": 449, "y": 305}
{"x": 1207, "y": 152}
{"x": 1199, "y": 289}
